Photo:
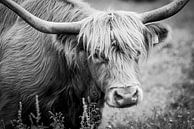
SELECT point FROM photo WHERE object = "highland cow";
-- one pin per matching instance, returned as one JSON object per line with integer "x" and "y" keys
{"x": 64, "y": 50}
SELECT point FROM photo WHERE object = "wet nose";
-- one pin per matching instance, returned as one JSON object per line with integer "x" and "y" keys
{"x": 125, "y": 97}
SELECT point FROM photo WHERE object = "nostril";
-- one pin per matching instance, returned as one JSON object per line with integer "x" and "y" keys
{"x": 117, "y": 96}
{"x": 135, "y": 94}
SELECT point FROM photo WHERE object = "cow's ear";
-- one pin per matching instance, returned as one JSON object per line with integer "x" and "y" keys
{"x": 157, "y": 33}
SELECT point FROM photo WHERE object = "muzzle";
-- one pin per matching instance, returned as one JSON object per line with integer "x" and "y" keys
{"x": 123, "y": 97}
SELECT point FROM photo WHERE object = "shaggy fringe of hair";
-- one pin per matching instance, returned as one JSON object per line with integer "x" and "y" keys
{"x": 116, "y": 35}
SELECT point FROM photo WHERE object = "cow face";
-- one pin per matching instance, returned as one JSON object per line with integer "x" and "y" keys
{"x": 117, "y": 78}
{"x": 115, "y": 42}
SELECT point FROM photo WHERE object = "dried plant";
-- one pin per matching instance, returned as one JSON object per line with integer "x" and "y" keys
{"x": 91, "y": 116}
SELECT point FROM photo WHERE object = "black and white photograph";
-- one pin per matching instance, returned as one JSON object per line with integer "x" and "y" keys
{"x": 96, "y": 64}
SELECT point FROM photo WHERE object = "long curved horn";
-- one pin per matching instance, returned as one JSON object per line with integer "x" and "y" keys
{"x": 42, "y": 25}
{"x": 163, "y": 12}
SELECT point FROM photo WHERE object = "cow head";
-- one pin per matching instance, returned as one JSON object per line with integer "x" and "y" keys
{"x": 112, "y": 42}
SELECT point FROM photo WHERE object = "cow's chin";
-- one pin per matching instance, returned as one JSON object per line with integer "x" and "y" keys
{"x": 135, "y": 99}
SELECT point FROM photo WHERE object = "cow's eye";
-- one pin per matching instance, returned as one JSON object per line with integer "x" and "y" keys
{"x": 138, "y": 54}
{"x": 100, "y": 58}
{"x": 96, "y": 56}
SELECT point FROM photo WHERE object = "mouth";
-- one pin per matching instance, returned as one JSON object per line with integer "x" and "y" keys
{"x": 121, "y": 106}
